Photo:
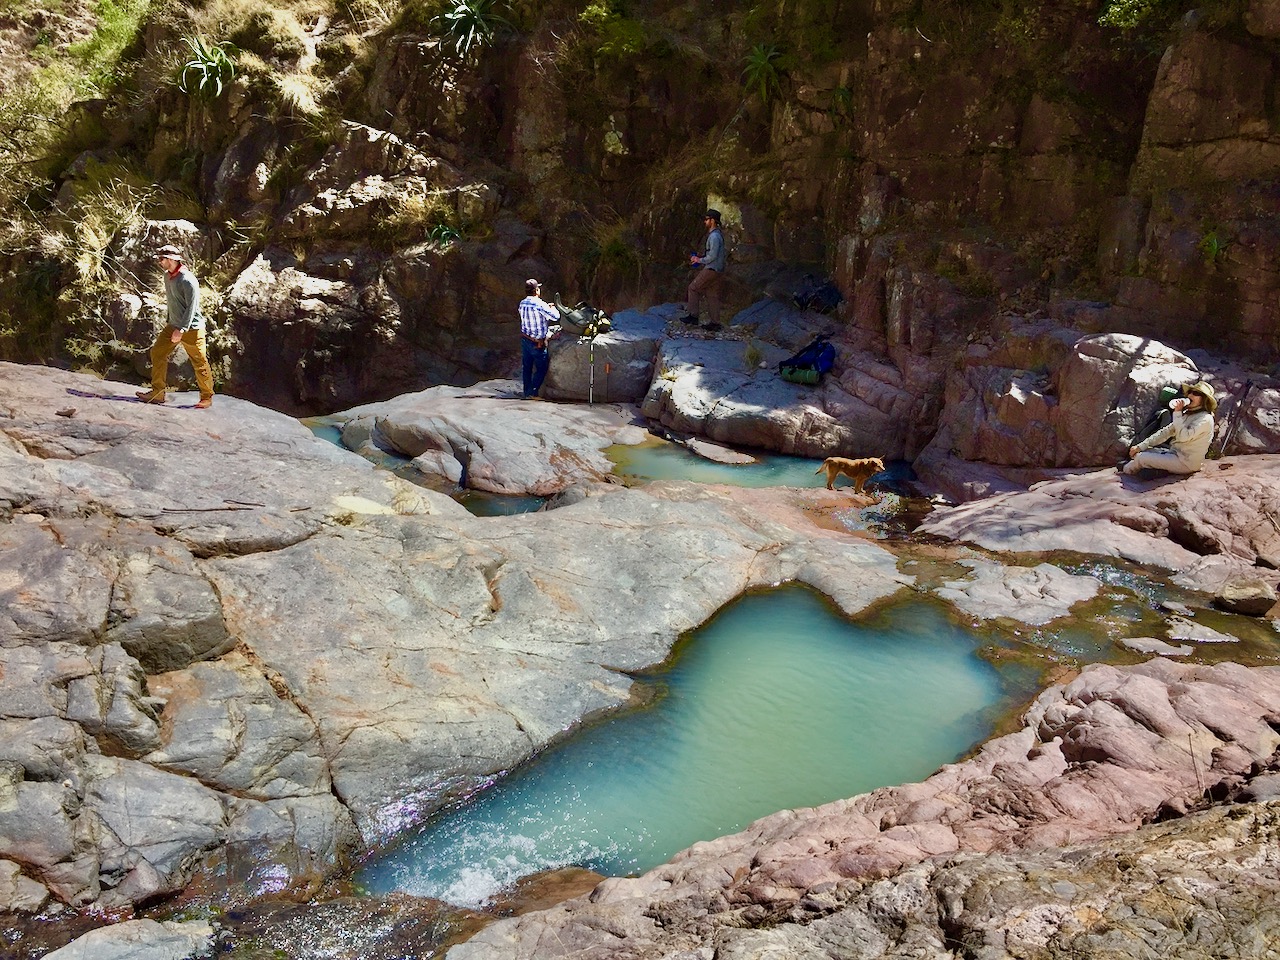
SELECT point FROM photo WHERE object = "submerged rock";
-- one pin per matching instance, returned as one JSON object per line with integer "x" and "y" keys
{"x": 140, "y": 940}
{"x": 1032, "y": 595}
{"x": 1157, "y": 647}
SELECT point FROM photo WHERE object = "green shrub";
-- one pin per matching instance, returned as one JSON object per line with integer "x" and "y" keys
{"x": 444, "y": 235}
{"x": 619, "y": 35}
{"x": 430, "y": 215}
{"x": 1213, "y": 247}
{"x": 117, "y": 26}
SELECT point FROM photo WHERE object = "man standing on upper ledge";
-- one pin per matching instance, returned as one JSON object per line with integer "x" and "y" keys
{"x": 185, "y": 326}
{"x": 536, "y": 317}
{"x": 707, "y": 280}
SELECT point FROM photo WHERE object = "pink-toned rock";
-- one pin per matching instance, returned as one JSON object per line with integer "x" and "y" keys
{"x": 1169, "y": 521}
{"x": 1097, "y": 757}
{"x": 1039, "y": 396}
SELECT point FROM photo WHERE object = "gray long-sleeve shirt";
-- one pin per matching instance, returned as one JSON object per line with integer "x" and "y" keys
{"x": 714, "y": 258}
{"x": 182, "y": 296}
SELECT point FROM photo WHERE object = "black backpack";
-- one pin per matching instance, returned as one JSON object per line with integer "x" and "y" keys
{"x": 1161, "y": 416}
{"x": 817, "y": 294}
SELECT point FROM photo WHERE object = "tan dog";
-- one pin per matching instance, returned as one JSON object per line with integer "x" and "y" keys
{"x": 859, "y": 470}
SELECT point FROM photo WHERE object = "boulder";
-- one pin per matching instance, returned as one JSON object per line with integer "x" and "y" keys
{"x": 1252, "y": 597}
{"x": 709, "y": 388}
{"x": 616, "y": 366}
{"x": 1044, "y": 397}
{"x": 1106, "y": 387}
{"x": 488, "y": 438}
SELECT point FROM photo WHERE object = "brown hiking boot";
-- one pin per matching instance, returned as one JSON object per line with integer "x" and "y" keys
{"x": 204, "y": 403}
{"x": 148, "y": 396}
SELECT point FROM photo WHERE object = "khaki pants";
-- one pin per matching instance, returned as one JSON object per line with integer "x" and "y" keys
{"x": 1157, "y": 459}
{"x": 192, "y": 342}
{"x": 706, "y": 283}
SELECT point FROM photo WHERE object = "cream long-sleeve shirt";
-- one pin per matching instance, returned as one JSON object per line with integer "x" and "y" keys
{"x": 1188, "y": 437}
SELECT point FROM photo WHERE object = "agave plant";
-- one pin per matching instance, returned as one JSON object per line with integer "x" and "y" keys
{"x": 208, "y": 70}
{"x": 763, "y": 74}
{"x": 468, "y": 25}
{"x": 443, "y": 235}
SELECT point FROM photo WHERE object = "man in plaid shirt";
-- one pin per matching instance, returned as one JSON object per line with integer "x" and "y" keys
{"x": 536, "y": 317}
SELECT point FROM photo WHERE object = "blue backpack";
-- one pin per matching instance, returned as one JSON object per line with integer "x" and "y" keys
{"x": 811, "y": 364}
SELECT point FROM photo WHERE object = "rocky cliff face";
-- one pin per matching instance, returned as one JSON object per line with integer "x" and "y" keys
{"x": 945, "y": 167}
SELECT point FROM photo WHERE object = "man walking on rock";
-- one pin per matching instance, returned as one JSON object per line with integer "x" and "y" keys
{"x": 707, "y": 280}
{"x": 536, "y": 317}
{"x": 185, "y": 326}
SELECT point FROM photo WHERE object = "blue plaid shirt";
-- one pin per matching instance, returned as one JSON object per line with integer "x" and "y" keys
{"x": 535, "y": 316}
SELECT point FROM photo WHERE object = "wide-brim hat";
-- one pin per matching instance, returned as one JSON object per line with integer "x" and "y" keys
{"x": 1205, "y": 390}
{"x": 170, "y": 251}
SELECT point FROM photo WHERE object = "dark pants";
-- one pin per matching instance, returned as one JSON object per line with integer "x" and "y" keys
{"x": 533, "y": 365}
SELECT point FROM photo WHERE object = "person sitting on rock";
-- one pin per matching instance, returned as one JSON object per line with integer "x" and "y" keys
{"x": 1185, "y": 441}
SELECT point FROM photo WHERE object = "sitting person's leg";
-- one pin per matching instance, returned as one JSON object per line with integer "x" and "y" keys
{"x": 1165, "y": 460}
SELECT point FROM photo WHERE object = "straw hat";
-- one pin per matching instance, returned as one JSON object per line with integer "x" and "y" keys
{"x": 1205, "y": 390}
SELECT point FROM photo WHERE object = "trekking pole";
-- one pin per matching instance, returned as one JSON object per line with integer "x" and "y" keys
{"x": 591, "y": 379}
{"x": 1229, "y": 434}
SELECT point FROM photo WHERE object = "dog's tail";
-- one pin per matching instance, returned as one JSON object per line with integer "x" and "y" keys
{"x": 822, "y": 466}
